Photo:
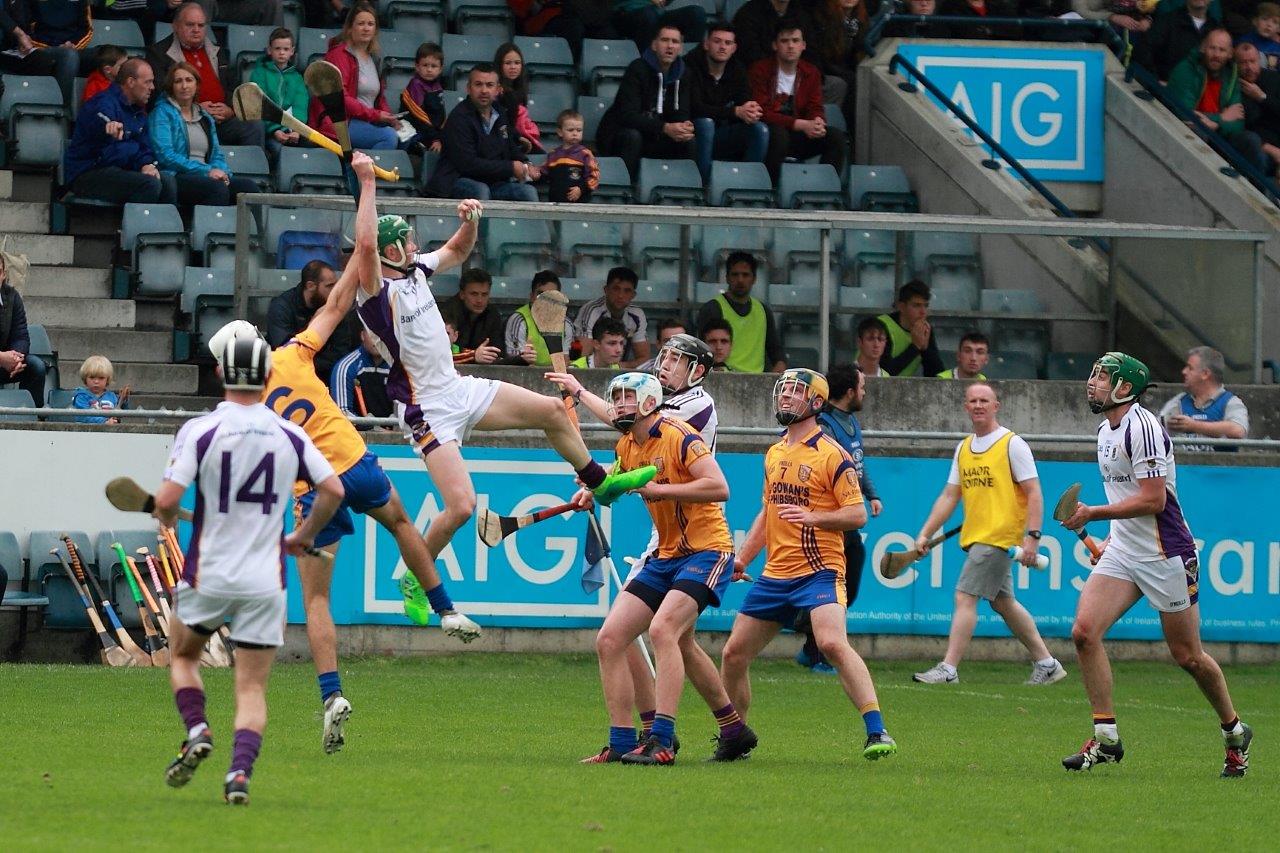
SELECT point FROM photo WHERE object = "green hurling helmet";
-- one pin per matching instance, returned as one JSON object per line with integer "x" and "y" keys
{"x": 394, "y": 231}
{"x": 1120, "y": 367}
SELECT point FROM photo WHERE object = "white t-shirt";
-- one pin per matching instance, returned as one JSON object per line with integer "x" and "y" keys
{"x": 786, "y": 82}
{"x": 1020, "y": 458}
{"x": 1139, "y": 448}
{"x": 633, "y": 321}
{"x": 244, "y": 461}
{"x": 412, "y": 337}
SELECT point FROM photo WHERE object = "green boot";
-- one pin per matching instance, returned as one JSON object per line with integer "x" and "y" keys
{"x": 617, "y": 484}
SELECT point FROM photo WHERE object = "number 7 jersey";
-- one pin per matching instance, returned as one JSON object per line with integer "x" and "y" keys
{"x": 243, "y": 461}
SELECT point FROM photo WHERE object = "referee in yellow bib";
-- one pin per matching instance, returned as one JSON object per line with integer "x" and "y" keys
{"x": 994, "y": 473}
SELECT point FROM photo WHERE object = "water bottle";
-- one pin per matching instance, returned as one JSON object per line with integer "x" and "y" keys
{"x": 1042, "y": 560}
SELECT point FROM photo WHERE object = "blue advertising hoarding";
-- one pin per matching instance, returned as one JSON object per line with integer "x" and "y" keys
{"x": 533, "y": 578}
{"x": 1044, "y": 105}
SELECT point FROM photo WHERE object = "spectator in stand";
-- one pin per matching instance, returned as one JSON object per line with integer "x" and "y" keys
{"x": 1173, "y": 36}
{"x": 1127, "y": 16}
{"x": 1260, "y": 94}
{"x": 1266, "y": 34}
{"x": 982, "y": 9}
{"x": 188, "y": 43}
{"x": 486, "y": 354}
{"x": 47, "y": 38}
{"x": 479, "y": 325}
{"x": 571, "y": 20}
{"x": 109, "y": 156}
{"x": 513, "y": 79}
{"x": 971, "y": 356}
{"x": 619, "y": 293}
{"x": 107, "y": 60}
{"x": 571, "y": 169}
{"x": 758, "y": 20}
{"x": 643, "y": 19}
{"x": 356, "y": 53}
{"x": 480, "y": 157}
{"x": 790, "y": 91}
{"x": 282, "y": 82}
{"x": 290, "y": 312}
{"x": 609, "y": 339}
{"x": 423, "y": 99}
{"x": 717, "y": 334}
{"x": 667, "y": 329}
{"x": 839, "y": 36}
{"x": 912, "y": 351}
{"x": 358, "y": 383}
{"x": 17, "y": 364}
{"x": 522, "y": 339}
{"x": 185, "y": 143}
{"x": 923, "y": 30}
{"x": 757, "y": 344}
{"x": 726, "y": 121}
{"x": 873, "y": 337}
{"x": 1206, "y": 408}
{"x": 266, "y": 13}
{"x": 1207, "y": 83}
{"x": 94, "y": 392}
{"x": 649, "y": 116}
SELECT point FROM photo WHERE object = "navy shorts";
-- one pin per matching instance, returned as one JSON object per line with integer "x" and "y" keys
{"x": 703, "y": 575}
{"x": 781, "y": 599}
{"x": 367, "y": 487}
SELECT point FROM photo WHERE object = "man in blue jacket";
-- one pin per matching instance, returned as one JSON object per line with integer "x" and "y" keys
{"x": 480, "y": 157}
{"x": 109, "y": 156}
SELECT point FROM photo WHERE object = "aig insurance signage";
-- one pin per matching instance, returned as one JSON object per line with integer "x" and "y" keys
{"x": 1044, "y": 105}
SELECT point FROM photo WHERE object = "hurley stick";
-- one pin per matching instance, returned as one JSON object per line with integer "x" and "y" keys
{"x": 549, "y": 311}
{"x": 155, "y": 648}
{"x": 140, "y": 657}
{"x": 112, "y": 654}
{"x": 160, "y": 618}
{"x": 1066, "y": 508}
{"x": 324, "y": 82}
{"x": 126, "y": 495}
{"x": 494, "y": 528}
{"x": 161, "y": 589}
{"x": 893, "y": 562}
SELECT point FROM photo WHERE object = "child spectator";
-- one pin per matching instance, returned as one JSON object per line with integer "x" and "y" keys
{"x": 95, "y": 377}
{"x": 571, "y": 168}
{"x": 514, "y": 80}
{"x": 422, "y": 96}
{"x": 611, "y": 339}
{"x": 107, "y": 60}
{"x": 280, "y": 81}
{"x": 358, "y": 383}
{"x": 1266, "y": 31}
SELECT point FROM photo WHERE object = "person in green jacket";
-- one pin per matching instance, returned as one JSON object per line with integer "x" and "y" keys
{"x": 1208, "y": 83}
{"x": 280, "y": 81}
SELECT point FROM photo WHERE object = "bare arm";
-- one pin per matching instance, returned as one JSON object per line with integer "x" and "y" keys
{"x": 329, "y": 493}
{"x": 595, "y": 405}
{"x": 754, "y": 543}
{"x": 843, "y": 518}
{"x": 365, "y": 261}
{"x": 942, "y": 509}
{"x": 1035, "y": 517}
{"x": 709, "y": 487}
{"x": 168, "y": 497}
{"x": 459, "y": 247}
{"x": 1149, "y": 500}
{"x": 1212, "y": 429}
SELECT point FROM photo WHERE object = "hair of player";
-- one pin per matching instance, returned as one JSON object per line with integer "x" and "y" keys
{"x": 428, "y": 49}
{"x": 622, "y": 274}
{"x": 713, "y": 325}
{"x": 914, "y": 288}
{"x": 1211, "y": 360}
{"x": 841, "y": 379}
{"x": 312, "y": 271}
{"x": 868, "y": 324}
{"x": 741, "y": 257}
{"x": 474, "y": 275}
{"x": 606, "y": 325}
{"x": 107, "y": 55}
{"x": 975, "y": 337}
{"x": 281, "y": 33}
{"x": 542, "y": 277}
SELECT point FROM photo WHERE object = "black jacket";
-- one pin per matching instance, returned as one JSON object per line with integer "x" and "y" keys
{"x": 712, "y": 98}
{"x": 289, "y": 314}
{"x": 467, "y": 151}
{"x": 995, "y": 9}
{"x": 13, "y": 322}
{"x": 646, "y": 100}
{"x": 754, "y": 25}
{"x": 1172, "y": 36}
{"x": 1264, "y": 118}
{"x": 474, "y": 329}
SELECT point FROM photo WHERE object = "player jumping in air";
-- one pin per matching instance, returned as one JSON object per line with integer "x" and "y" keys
{"x": 1149, "y": 552}
{"x": 438, "y": 406}
{"x": 811, "y": 497}
{"x": 243, "y": 460}
{"x": 681, "y": 365}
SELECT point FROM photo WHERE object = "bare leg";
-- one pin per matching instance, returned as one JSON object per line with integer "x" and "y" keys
{"x": 1182, "y": 633}
{"x": 702, "y": 673}
{"x": 747, "y": 639}
{"x": 519, "y": 408}
{"x": 673, "y": 620}
{"x": 963, "y": 620}
{"x": 253, "y": 666}
{"x": 185, "y": 646}
{"x": 449, "y": 475}
{"x": 641, "y": 679}
{"x": 1021, "y": 624}
{"x": 413, "y": 548}
{"x": 1102, "y": 601}
{"x": 316, "y": 574}
{"x": 627, "y": 620}
{"x": 829, "y": 630}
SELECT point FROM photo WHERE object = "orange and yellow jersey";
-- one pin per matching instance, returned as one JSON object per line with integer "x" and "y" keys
{"x": 672, "y": 446}
{"x": 817, "y": 474}
{"x": 295, "y": 393}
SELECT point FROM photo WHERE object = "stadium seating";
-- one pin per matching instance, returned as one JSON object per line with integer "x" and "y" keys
{"x": 461, "y": 52}
{"x": 12, "y": 563}
{"x": 275, "y": 281}
{"x": 296, "y": 249}
{"x": 871, "y": 299}
{"x": 424, "y": 18}
{"x": 123, "y": 33}
{"x": 250, "y": 161}
{"x": 213, "y": 235}
{"x": 207, "y": 296}
{"x": 398, "y": 50}
{"x": 655, "y": 250}
{"x": 313, "y": 44}
{"x": 881, "y": 188}
{"x": 33, "y": 111}
{"x": 112, "y": 571}
{"x": 870, "y": 258}
{"x": 488, "y": 18}
{"x": 543, "y": 109}
{"x": 17, "y": 398}
{"x": 951, "y": 298}
{"x": 393, "y": 160}
{"x": 603, "y": 64}
{"x": 549, "y": 63}
{"x": 657, "y": 291}
{"x": 740, "y": 185}
{"x": 1074, "y": 366}
{"x": 719, "y": 241}
{"x": 803, "y": 186}
{"x": 1011, "y": 302}
{"x": 60, "y": 398}
{"x": 669, "y": 182}
{"x": 1013, "y": 365}
{"x": 155, "y": 240}
{"x": 705, "y": 291}
{"x": 592, "y": 108}
{"x": 310, "y": 170}
{"x": 43, "y": 347}
{"x": 517, "y": 247}
{"x": 246, "y": 44}
{"x": 65, "y": 612}
{"x": 796, "y": 257}
{"x": 282, "y": 219}
{"x": 615, "y": 182}
{"x": 590, "y": 248}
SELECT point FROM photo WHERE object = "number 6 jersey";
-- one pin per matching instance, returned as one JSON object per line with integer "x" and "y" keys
{"x": 244, "y": 461}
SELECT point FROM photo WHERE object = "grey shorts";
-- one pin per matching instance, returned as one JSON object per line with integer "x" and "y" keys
{"x": 258, "y": 620}
{"x": 987, "y": 572}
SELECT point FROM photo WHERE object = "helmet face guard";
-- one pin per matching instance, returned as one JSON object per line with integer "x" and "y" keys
{"x": 1118, "y": 367}
{"x": 809, "y": 385}
{"x": 690, "y": 352}
{"x": 642, "y": 389}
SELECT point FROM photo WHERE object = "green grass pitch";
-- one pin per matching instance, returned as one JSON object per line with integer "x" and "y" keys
{"x": 480, "y": 752}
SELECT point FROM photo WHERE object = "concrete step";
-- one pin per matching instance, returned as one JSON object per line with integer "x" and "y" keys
{"x": 6, "y": 184}
{"x": 81, "y": 282}
{"x": 44, "y": 248}
{"x": 151, "y": 378}
{"x": 155, "y": 316}
{"x": 26, "y": 217}
{"x": 190, "y": 403}
{"x": 80, "y": 313}
{"x": 94, "y": 250}
{"x": 116, "y": 344}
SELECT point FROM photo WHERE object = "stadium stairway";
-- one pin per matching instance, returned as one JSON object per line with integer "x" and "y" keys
{"x": 69, "y": 292}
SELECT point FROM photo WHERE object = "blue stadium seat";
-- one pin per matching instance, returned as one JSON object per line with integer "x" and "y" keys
{"x": 1011, "y": 302}
{"x": 950, "y": 298}
{"x": 802, "y": 186}
{"x": 656, "y": 291}
{"x": 392, "y": 160}
{"x": 579, "y": 291}
{"x": 603, "y": 63}
{"x": 509, "y": 291}
{"x": 18, "y": 398}
{"x": 246, "y": 44}
{"x": 655, "y": 247}
{"x": 1028, "y": 338}
{"x": 425, "y": 19}
{"x": 450, "y": 99}
{"x": 309, "y": 170}
{"x": 123, "y": 33}
{"x": 705, "y": 291}
{"x": 669, "y": 182}
{"x": 835, "y": 117}
{"x": 398, "y": 50}
{"x": 433, "y": 229}
{"x": 461, "y": 52}
{"x": 65, "y": 611}
{"x": 593, "y": 107}
{"x": 60, "y": 398}
{"x": 488, "y": 18}
{"x": 296, "y": 249}
{"x": 250, "y": 161}
{"x": 869, "y": 257}
{"x": 517, "y": 247}
{"x": 273, "y": 281}
{"x": 615, "y": 182}
{"x": 156, "y": 240}
{"x": 719, "y": 241}
{"x": 207, "y": 296}
{"x": 1074, "y": 366}
{"x": 1013, "y": 365}
{"x": 313, "y": 44}
{"x": 740, "y": 185}
{"x": 543, "y": 109}
{"x": 282, "y": 219}
{"x": 881, "y": 188}
{"x": 930, "y": 249}
{"x": 552, "y": 72}
{"x": 867, "y": 300}
{"x": 590, "y": 248}
{"x": 213, "y": 234}
{"x": 799, "y": 296}
{"x": 796, "y": 256}
{"x": 14, "y": 566}
{"x": 112, "y": 571}
{"x": 33, "y": 111}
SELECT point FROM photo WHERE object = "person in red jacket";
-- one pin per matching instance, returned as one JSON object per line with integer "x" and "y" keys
{"x": 356, "y": 54}
{"x": 790, "y": 91}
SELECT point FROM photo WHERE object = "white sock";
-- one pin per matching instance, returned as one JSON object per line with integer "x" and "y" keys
{"x": 194, "y": 731}
{"x": 1236, "y": 732}
{"x": 1047, "y": 662}
{"x": 1106, "y": 732}
{"x": 947, "y": 668}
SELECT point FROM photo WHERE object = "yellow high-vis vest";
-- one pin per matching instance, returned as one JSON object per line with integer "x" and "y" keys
{"x": 995, "y": 508}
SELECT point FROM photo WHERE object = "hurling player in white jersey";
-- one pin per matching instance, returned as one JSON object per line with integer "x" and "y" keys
{"x": 1149, "y": 552}
{"x": 681, "y": 364}
{"x": 440, "y": 407}
{"x": 243, "y": 461}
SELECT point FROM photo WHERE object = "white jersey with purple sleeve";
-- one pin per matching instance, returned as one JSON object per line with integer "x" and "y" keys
{"x": 243, "y": 461}
{"x": 1137, "y": 449}
{"x": 405, "y": 317}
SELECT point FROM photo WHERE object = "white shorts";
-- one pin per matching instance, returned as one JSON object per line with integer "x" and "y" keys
{"x": 449, "y": 415}
{"x": 649, "y": 552}
{"x": 1170, "y": 585}
{"x": 258, "y": 620}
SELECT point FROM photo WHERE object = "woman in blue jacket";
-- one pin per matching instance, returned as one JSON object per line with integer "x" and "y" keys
{"x": 186, "y": 146}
